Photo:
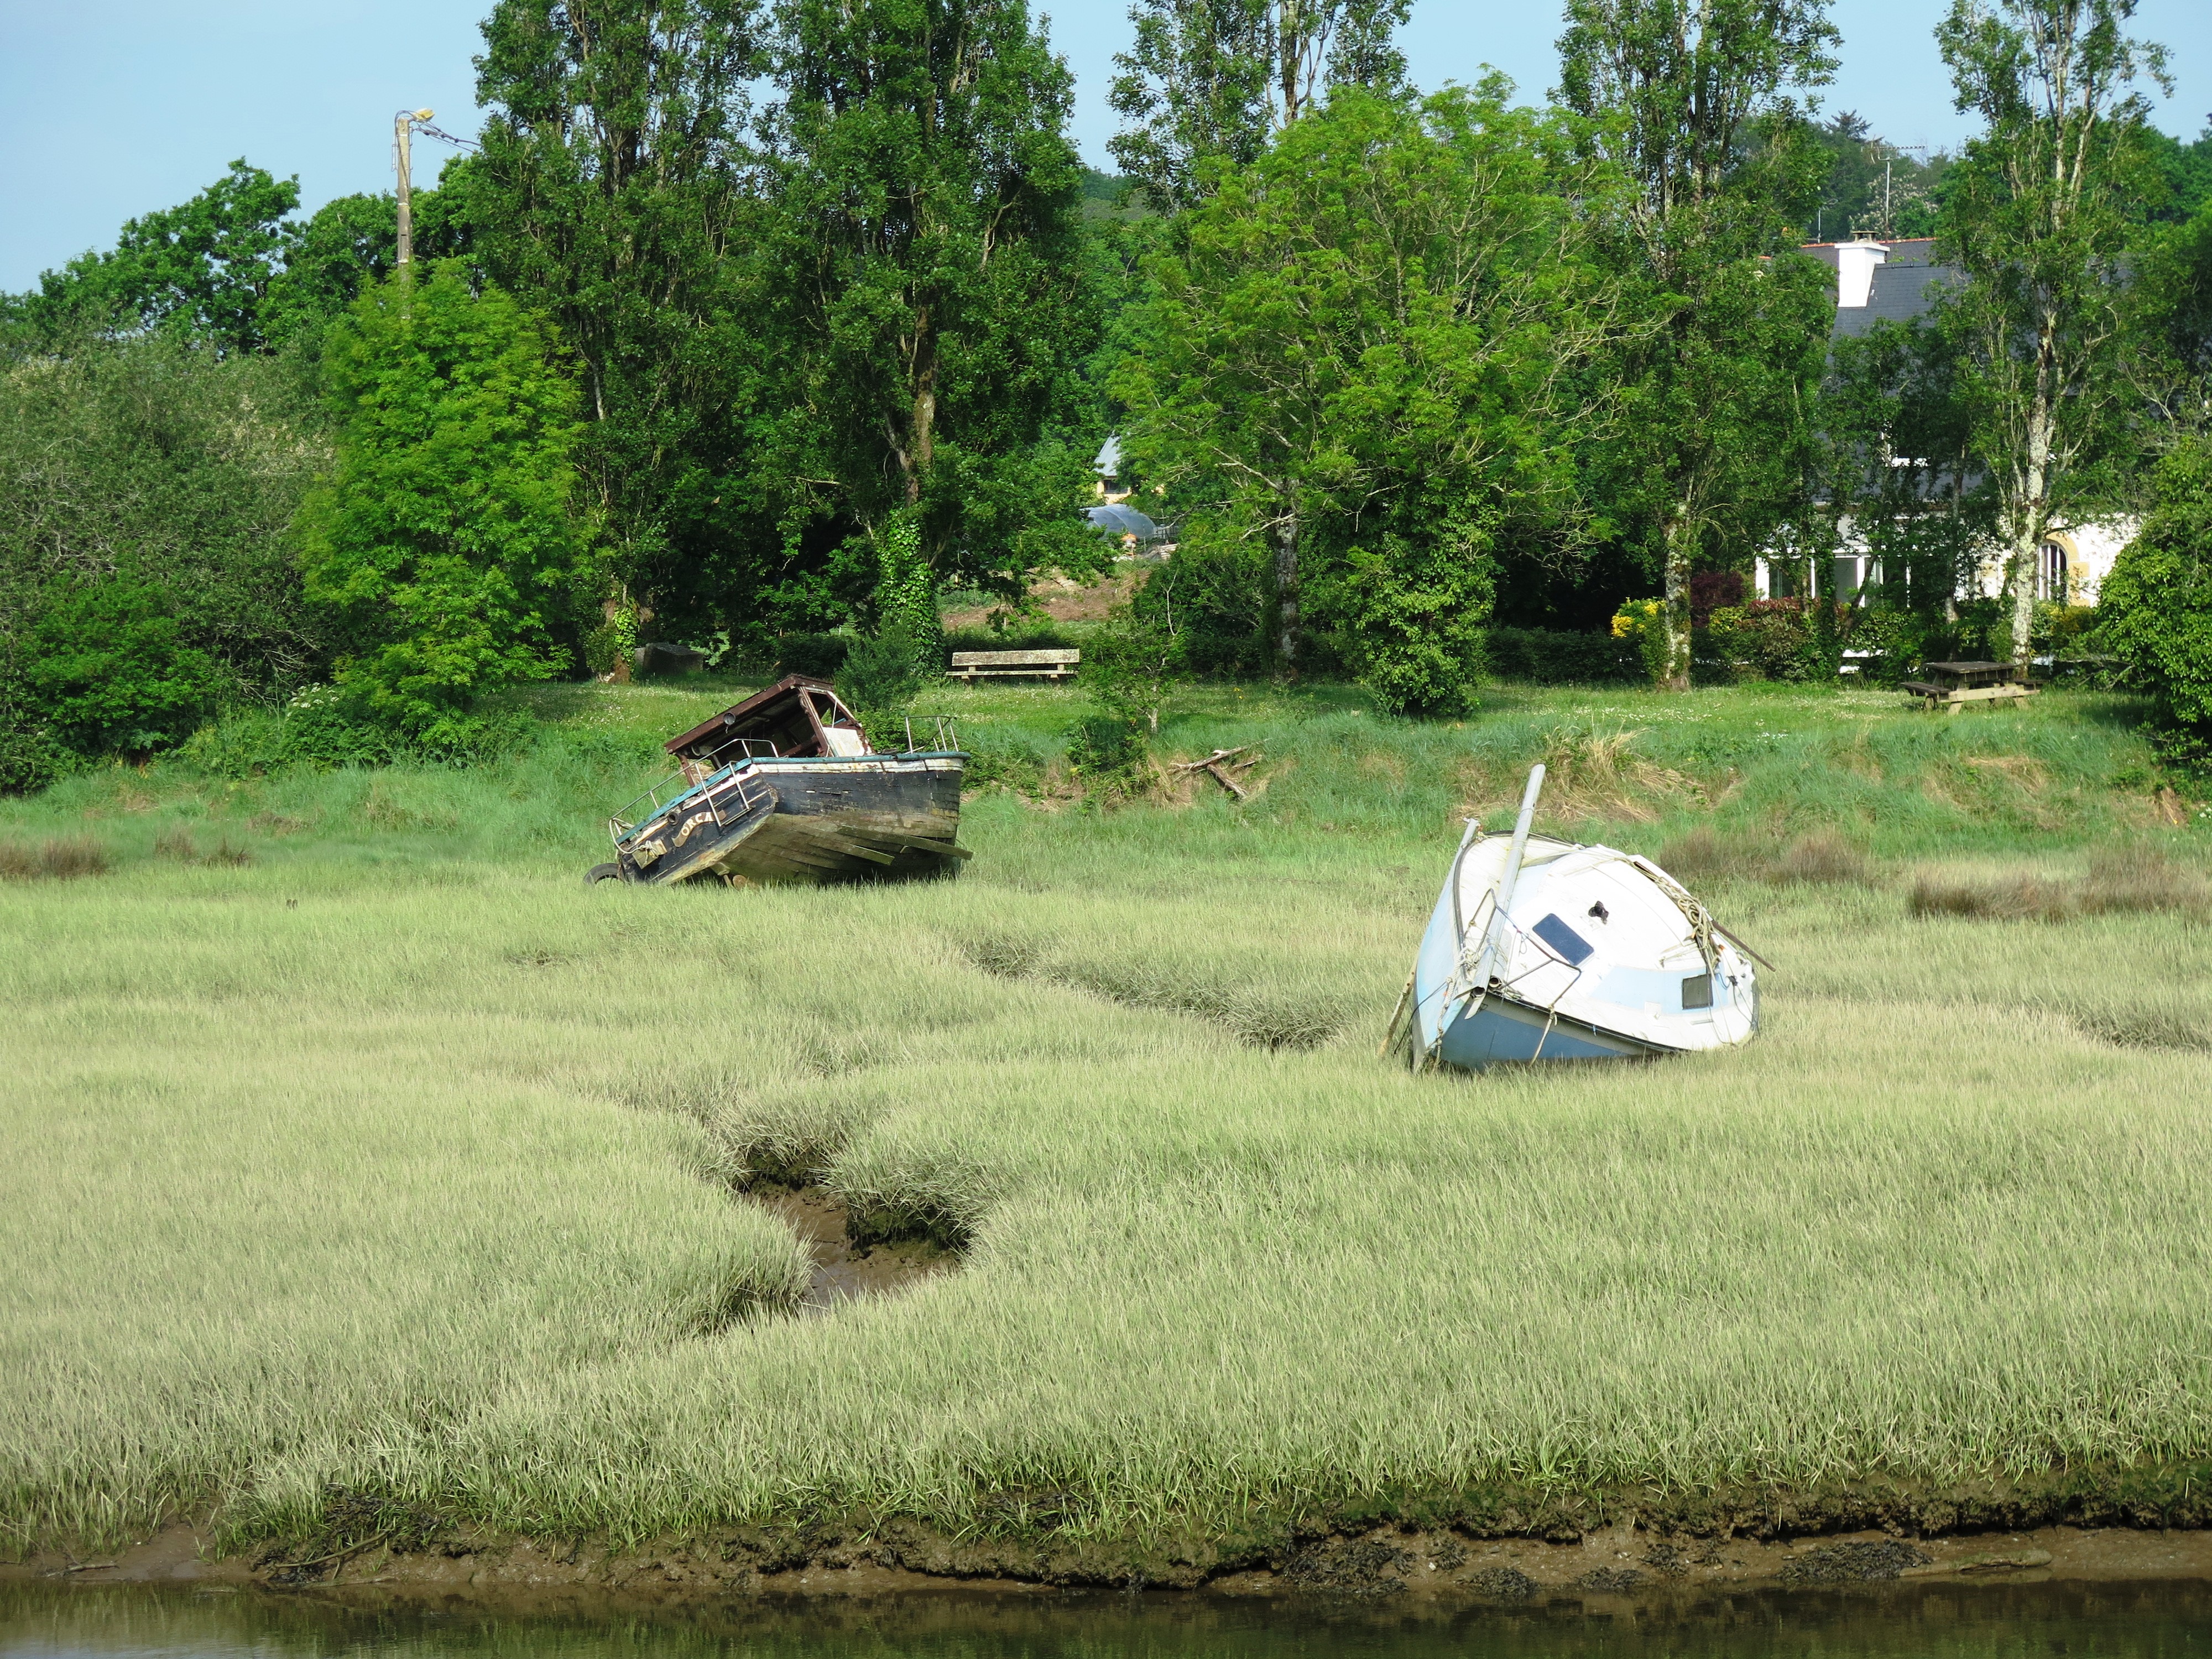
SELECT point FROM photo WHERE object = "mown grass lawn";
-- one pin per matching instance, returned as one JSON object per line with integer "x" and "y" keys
{"x": 350, "y": 1140}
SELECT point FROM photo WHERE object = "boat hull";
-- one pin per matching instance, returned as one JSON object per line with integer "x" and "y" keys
{"x": 805, "y": 821}
{"x": 1500, "y": 1031}
{"x": 1599, "y": 955}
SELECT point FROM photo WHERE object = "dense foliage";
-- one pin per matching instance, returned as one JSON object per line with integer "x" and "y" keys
{"x": 762, "y": 325}
{"x": 444, "y": 540}
{"x": 1361, "y": 354}
{"x": 170, "y": 474}
{"x": 2156, "y": 610}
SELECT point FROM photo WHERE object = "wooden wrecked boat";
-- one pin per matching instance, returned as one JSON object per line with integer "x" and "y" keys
{"x": 784, "y": 787}
{"x": 1542, "y": 949}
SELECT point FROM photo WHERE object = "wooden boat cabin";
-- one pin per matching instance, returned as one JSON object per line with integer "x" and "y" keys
{"x": 797, "y": 718}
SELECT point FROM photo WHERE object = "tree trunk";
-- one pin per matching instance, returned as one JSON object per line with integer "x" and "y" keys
{"x": 2032, "y": 517}
{"x": 1286, "y": 593}
{"x": 1681, "y": 543}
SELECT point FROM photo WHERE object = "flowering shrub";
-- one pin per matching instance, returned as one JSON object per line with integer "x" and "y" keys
{"x": 1644, "y": 622}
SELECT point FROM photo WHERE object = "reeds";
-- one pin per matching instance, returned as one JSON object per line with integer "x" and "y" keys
{"x": 421, "y": 1188}
{"x": 1819, "y": 858}
{"x": 57, "y": 858}
{"x": 2124, "y": 880}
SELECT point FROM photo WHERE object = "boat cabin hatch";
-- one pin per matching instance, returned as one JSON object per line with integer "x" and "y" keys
{"x": 797, "y": 718}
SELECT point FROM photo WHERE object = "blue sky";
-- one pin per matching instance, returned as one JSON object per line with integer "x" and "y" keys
{"x": 112, "y": 107}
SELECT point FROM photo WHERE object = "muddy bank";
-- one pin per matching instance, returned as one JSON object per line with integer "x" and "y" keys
{"x": 1622, "y": 1565}
{"x": 843, "y": 1270}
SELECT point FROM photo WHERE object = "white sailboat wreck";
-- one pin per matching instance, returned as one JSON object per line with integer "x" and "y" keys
{"x": 1542, "y": 949}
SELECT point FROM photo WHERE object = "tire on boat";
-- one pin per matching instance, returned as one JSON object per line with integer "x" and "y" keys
{"x": 599, "y": 872}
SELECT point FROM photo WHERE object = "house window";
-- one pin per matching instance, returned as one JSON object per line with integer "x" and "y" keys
{"x": 2050, "y": 573}
{"x": 1854, "y": 573}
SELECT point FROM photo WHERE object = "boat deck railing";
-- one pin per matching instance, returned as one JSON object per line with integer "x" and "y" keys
{"x": 943, "y": 729}
{"x": 731, "y": 784}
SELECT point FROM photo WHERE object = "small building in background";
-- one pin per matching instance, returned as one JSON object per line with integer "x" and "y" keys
{"x": 1898, "y": 282}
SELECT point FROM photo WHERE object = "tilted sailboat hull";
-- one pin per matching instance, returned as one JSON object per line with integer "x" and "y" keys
{"x": 1542, "y": 949}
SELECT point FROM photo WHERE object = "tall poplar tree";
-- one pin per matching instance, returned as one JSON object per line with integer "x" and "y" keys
{"x": 2040, "y": 218}
{"x": 925, "y": 287}
{"x": 612, "y": 193}
{"x": 1209, "y": 81}
{"x": 1692, "y": 99}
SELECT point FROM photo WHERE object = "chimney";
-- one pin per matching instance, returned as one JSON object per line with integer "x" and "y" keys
{"x": 1854, "y": 263}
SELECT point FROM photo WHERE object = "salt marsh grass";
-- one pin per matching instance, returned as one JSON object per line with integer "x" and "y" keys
{"x": 396, "y": 1159}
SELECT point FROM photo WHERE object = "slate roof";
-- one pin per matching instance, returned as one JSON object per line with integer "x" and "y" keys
{"x": 1905, "y": 285}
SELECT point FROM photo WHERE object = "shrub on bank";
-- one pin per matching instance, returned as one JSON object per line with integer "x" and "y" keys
{"x": 1789, "y": 640}
{"x": 820, "y": 656}
{"x": 1555, "y": 657}
{"x": 2156, "y": 607}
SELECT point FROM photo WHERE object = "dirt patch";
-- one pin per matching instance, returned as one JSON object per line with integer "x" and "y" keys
{"x": 843, "y": 1271}
{"x": 1058, "y": 599}
{"x": 382, "y": 1554}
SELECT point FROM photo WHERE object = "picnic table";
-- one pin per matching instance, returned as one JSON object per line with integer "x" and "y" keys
{"x": 1950, "y": 686}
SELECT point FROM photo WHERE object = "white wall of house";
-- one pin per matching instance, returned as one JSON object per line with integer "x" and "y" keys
{"x": 2075, "y": 561}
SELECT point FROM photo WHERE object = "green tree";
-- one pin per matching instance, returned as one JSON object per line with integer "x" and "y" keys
{"x": 204, "y": 268}
{"x": 2188, "y": 170}
{"x": 153, "y": 465}
{"x": 1692, "y": 100}
{"x": 1207, "y": 83}
{"x": 2155, "y": 609}
{"x": 108, "y": 672}
{"x": 927, "y": 294}
{"x": 445, "y": 537}
{"x": 1365, "y": 352}
{"x": 2040, "y": 218}
{"x": 1871, "y": 187}
{"x": 1894, "y": 464}
{"x": 613, "y": 191}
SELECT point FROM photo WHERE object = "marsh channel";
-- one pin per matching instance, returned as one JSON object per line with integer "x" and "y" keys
{"x": 2018, "y": 1621}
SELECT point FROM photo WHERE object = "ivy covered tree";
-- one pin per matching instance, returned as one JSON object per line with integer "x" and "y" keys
{"x": 1693, "y": 101}
{"x": 445, "y": 537}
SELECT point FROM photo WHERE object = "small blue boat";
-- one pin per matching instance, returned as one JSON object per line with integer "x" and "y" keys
{"x": 1544, "y": 950}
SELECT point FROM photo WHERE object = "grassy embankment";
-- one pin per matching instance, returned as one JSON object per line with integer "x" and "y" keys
{"x": 392, "y": 1158}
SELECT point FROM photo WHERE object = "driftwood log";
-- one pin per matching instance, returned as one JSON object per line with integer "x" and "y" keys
{"x": 1219, "y": 765}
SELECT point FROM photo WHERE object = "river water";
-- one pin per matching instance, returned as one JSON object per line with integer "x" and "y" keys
{"x": 2015, "y": 1621}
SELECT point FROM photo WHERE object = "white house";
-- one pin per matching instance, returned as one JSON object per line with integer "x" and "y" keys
{"x": 1896, "y": 281}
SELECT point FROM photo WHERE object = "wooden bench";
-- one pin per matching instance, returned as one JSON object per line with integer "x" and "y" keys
{"x": 969, "y": 666}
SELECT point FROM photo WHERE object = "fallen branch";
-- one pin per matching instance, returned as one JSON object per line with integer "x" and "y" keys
{"x": 1212, "y": 767}
{"x": 337, "y": 1555}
